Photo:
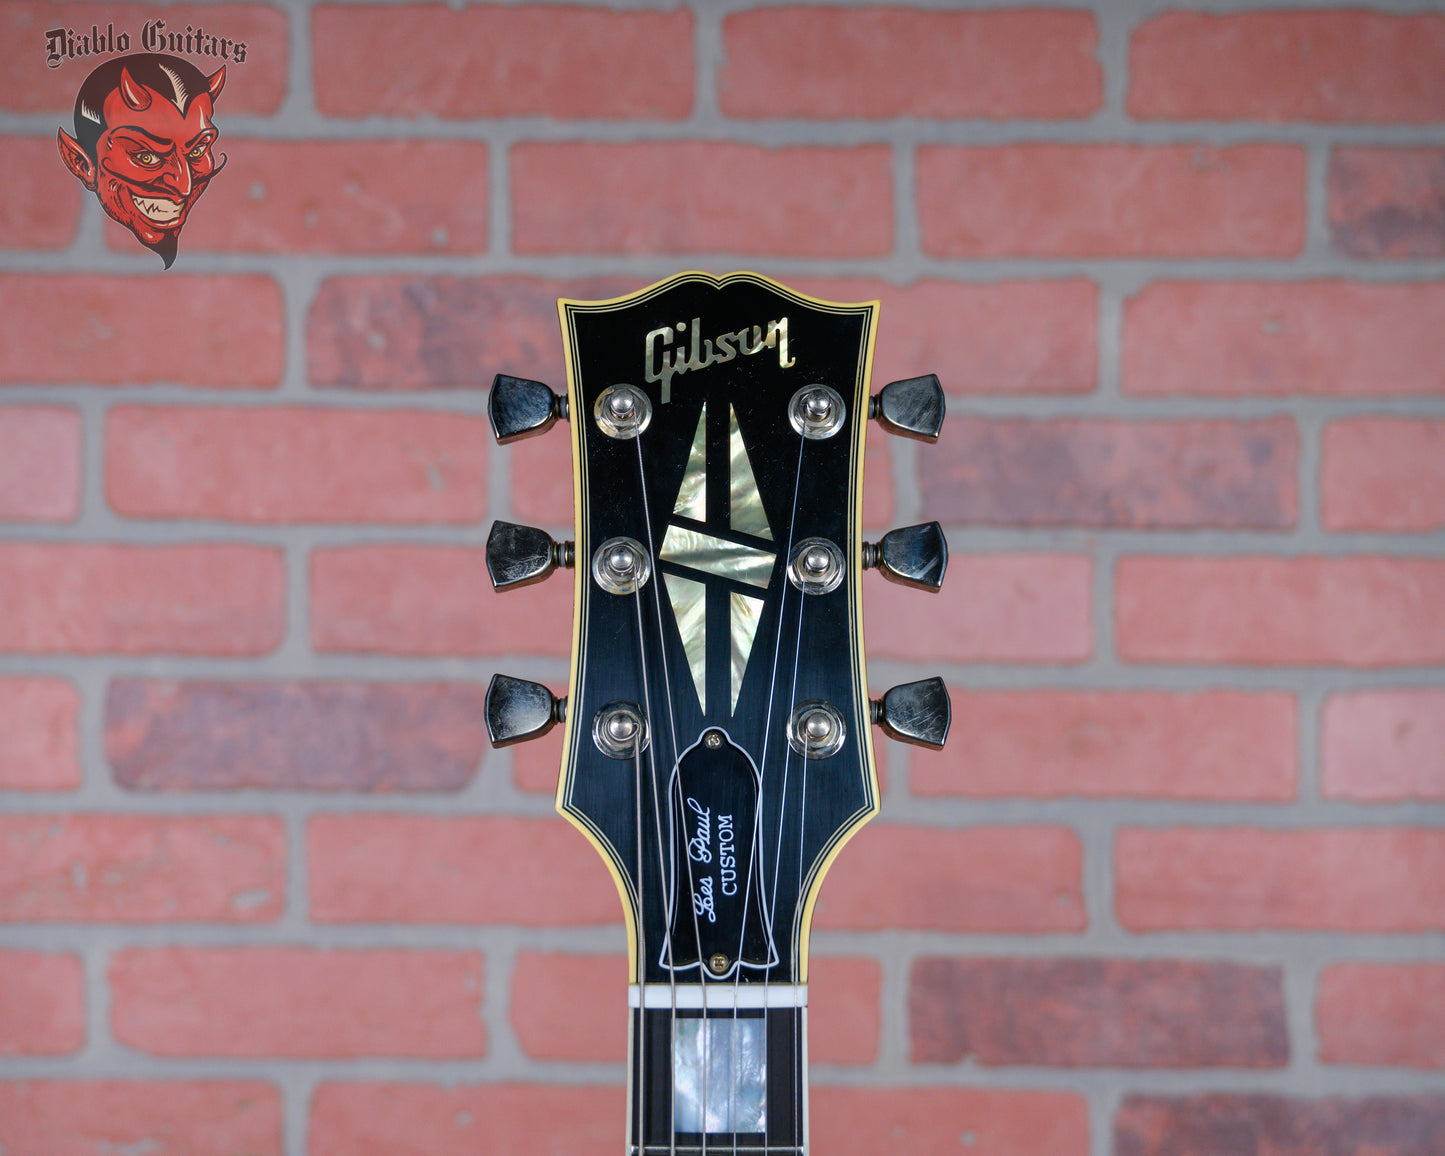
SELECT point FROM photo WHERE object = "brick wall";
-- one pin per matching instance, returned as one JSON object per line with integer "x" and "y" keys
{"x": 1178, "y": 884}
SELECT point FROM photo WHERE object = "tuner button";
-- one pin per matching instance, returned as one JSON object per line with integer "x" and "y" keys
{"x": 915, "y": 712}
{"x": 520, "y": 408}
{"x": 912, "y": 407}
{"x": 520, "y": 555}
{"x": 518, "y": 710}
{"x": 913, "y": 555}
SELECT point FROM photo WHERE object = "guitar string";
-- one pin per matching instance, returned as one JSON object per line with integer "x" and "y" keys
{"x": 657, "y": 823}
{"x": 802, "y": 813}
{"x": 641, "y": 1034}
{"x": 705, "y": 1032}
{"x": 756, "y": 853}
{"x": 641, "y": 871}
{"x": 768, "y": 731}
{"x": 782, "y": 818}
{"x": 797, "y": 1057}
{"x": 657, "y": 819}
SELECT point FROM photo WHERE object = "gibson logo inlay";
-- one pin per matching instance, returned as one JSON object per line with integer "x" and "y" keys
{"x": 662, "y": 365}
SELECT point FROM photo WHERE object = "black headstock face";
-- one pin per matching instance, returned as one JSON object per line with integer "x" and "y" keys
{"x": 718, "y": 429}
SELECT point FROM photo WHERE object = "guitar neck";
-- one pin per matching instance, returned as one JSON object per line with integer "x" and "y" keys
{"x": 718, "y": 751}
{"x": 728, "y": 1078}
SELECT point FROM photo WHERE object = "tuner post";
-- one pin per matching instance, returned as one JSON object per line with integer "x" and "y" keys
{"x": 621, "y": 565}
{"x": 816, "y": 566}
{"x": 816, "y": 730}
{"x": 622, "y": 412}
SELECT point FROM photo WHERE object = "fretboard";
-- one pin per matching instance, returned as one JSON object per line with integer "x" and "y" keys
{"x": 731, "y": 1078}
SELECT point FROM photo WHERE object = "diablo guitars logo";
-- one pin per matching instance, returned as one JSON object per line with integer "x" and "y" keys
{"x": 143, "y": 143}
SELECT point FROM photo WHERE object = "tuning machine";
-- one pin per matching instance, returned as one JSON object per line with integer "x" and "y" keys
{"x": 520, "y": 555}
{"x": 518, "y": 710}
{"x": 912, "y": 407}
{"x": 520, "y": 408}
{"x": 911, "y": 555}
{"x": 915, "y": 712}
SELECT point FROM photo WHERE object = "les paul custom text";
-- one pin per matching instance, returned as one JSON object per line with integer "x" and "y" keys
{"x": 717, "y": 745}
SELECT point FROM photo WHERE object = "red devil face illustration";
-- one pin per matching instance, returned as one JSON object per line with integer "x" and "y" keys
{"x": 148, "y": 157}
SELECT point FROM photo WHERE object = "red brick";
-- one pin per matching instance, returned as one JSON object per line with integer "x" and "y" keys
{"x": 296, "y": 464}
{"x": 877, "y": 484}
{"x": 849, "y": 1121}
{"x": 1340, "y": 67}
{"x": 442, "y": 332}
{"x": 702, "y": 197}
{"x": 39, "y": 463}
{"x": 375, "y": 196}
{"x": 361, "y": 1119}
{"x": 256, "y": 86}
{"x": 1361, "y": 611}
{"x": 1118, "y": 1013}
{"x": 1383, "y": 745}
{"x": 1382, "y": 1013}
{"x": 1383, "y": 473}
{"x": 1245, "y": 878}
{"x": 537, "y": 764}
{"x": 1387, "y": 202}
{"x": 431, "y": 600}
{"x": 41, "y": 209}
{"x": 42, "y": 1004}
{"x": 1003, "y": 337}
{"x": 354, "y": 736}
{"x": 993, "y": 608}
{"x": 542, "y": 481}
{"x": 454, "y": 871}
{"x": 1100, "y": 200}
{"x": 895, "y": 875}
{"x": 1135, "y": 474}
{"x": 570, "y": 1007}
{"x": 1320, "y": 338}
{"x": 414, "y": 1119}
{"x": 221, "y": 331}
{"x": 492, "y": 60}
{"x": 157, "y": 1117}
{"x": 97, "y": 599}
{"x": 1210, "y": 1125}
{"x": 873, "y": 63}
{"x": 843, "y": 1020}
{"x": 1217, "y": 744}
{"x": 142, "y": 868}
{"x": 297, "y": 1002}
{"x": 38, "y": 734}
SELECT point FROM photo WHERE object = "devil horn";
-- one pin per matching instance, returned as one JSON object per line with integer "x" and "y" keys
{"x": 216, "y": 81}
{"x": 135, "y": 96}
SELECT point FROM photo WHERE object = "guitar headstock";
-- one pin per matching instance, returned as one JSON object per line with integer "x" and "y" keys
{"x": 718, "y": 748}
